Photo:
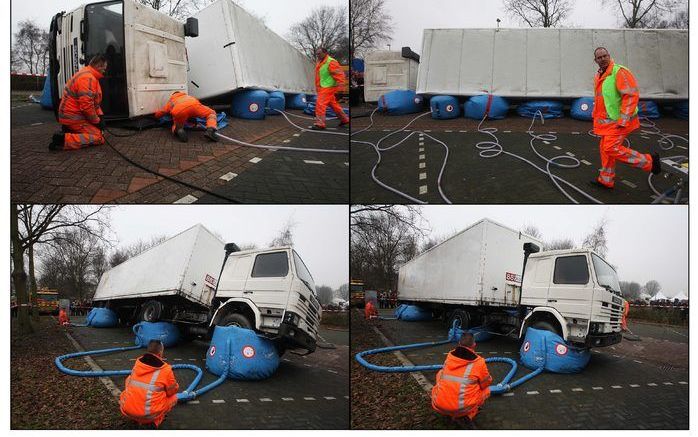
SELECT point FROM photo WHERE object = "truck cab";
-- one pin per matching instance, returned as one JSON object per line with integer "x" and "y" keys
{"x": 574, "y": 293}
{"x": 272, "y": 292}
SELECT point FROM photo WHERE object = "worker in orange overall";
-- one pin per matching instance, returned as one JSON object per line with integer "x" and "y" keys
{"x": 79, "y": 113}
{"x": 151, "y": 389}
{"x": 462, "y": 386}
{"x": 370, "y": 310}
{"x": 63, "y": 317}
{"x": 329, "y": 79}
{"x": 615, "y": 114}
{"x": 182, "y": 107}
{"x": 624, "y": 319}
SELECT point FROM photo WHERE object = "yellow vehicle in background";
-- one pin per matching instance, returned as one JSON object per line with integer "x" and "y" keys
{"x": 47, "y": 301}
{"x": 356, "y": 293}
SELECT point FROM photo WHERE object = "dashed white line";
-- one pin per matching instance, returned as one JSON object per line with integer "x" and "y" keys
{"x": 308, "y": 398}
{"x": 448, "y": 131}
{"x": 577, "y": 389}
{"x": 423, "y": 189}
{"x": 307, "y": 161}
{"x": 192, "y": 359}
{"x": 296, "y": 135}
{"x": 193, "y": 402}
{"x": 422, "y": 176}
{"x": 534, "y": 392}
{"x": 188, "y": 199}
{"x": 634, "y": 385}
{"x": 651, "y": 384}
{"x": 243, "y": 400}
{"x": 421, "y": 149}
{"x": 219, "y": 401}
{"x": 546, "y": 142}
{"x": 422, "y": 157}
{"x": 508, "y": 394}
{"x": 178, "y": 359}
{"x": 330, "y": 398}
{"x": 668, "y": 383}
{"x": 37, "y": 124}
{"x": 507, "y": 131}
{"x": 575, "y": 133}
{"x": 255, "y": 160}
{"x": 228, "y": 176}
{"x": 683, "y": 382}
{"x": 333, "y": 371}
{"x": 286, "y": 141}
{"x": 422, "y": 165}
{"x": 569, "y": 154}
{"x": 597, "y": 388}
{"x": 286, "y": 399}
{"x": 556, "y": 147}
{"x": 616, "y": 386}
{"x": 427, "y": 130}
{"x": 264, "y": 399}
{"x": 555, "y": 391}
{"x": 465, "y": 131}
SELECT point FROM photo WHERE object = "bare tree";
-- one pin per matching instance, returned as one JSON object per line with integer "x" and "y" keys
{"x": 596, "y": 240}
{"x": 325, "y": 27}
{"x": 642, "y": 13}
{"x": 630, "y": 290}
{"x": 532, "y": 231}
{"x": 539, "y": 13}
{"x": 674, "y": 19}
{"x": 179, "y": 9}
{"x": 122, "y": 254}
{"x": 343, "y": 291}
{"x": 325, "y": 294}
{"x": 32, "y": 225}
{"x": 652, "y": 287}
{"x": 370, "y": 25}
{"x": 31, "y": 47}
{"x": 559, "y": 244}
{"x": 285, "y": 235}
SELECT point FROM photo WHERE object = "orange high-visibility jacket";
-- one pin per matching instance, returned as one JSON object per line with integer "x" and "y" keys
{"x": 82, "y": 97}
{"x": 630, "y": 97}
{"x": 63, "y": 317}
{"x": 624, "y": 319}
{"x": 151, "y": 391}
{"x": 335, "y": 71}
{"x": 179, "y": 102}
{"x": 462, "y": 386}
{"x": 370, "y": 310}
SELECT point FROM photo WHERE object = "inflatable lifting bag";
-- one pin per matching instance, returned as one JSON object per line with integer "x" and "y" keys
{"x": 166, "y": 332}
{"x": 681, "y": 110}
{"x": 296, "y": 101}
{"x": 549, "y": 109}
{"x": 582, "y": 108}
{"x": 251, "y": 357}
{"x": 495, "y": 107}
{"x": 277, "y": 101}
{"x": 46, "y": 101}
{"x": 549, "y": 350}
{"x": 444, "y": 107}
{"x": 310, "y": 110}
{"x": 249, "y": 104}
{"x": 400, "y": 102}
{"x": 648, "y": 109}
{"x": 413, "y": 313}
{"x": 102, "y": 318}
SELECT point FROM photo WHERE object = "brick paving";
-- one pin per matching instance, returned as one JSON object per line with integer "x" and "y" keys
{"x": 99, "y": 175}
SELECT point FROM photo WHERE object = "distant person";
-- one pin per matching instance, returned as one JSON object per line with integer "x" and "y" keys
{"x": 80, "y": 113}
{"x": 151, "y": 389}
{"x": 615, "y": 117}
{"x": 624, "y": 319}
{"x": 370, "y": 310}
{"x": 182, "y": 107}
{"x": 329, "y": 77}
{"x": 63, "y": 318}
{"x": 462, "y": 386}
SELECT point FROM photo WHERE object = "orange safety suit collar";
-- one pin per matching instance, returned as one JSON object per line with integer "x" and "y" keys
{"x": 95, "y": 72}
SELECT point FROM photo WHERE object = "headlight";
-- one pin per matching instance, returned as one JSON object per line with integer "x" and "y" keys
{"x": 291, "y": 318}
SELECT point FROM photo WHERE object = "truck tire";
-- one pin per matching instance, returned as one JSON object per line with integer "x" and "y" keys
{"x": 235, "y": 319}
{"x": 462, "y": 316}
{"x": 151, "y": 311}
{"x": 545, "y": 326}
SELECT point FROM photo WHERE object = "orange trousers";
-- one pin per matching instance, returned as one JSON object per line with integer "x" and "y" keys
{"x": 612, "y": 150}
{"x": 326, "y": 97}
{"x": 81, "y": 134}
{"x": 180, "y": 116}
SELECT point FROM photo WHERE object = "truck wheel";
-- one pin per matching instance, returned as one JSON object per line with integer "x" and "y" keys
{"x": 545, "y": 326}
{"x": 151, "y": 311}
{"x": 236, "y": 319}
{"x": 462, "y": 316}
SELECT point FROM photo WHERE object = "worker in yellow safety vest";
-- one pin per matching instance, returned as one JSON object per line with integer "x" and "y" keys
{"x": 615, "y": 114}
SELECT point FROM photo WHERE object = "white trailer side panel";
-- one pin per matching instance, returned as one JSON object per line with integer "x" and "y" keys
{"x": 388, "y": 71}
{"x": 178, "y": 265}
{"x": 155, "y": 58}
{"x": 549, "y": 63}
{"x": 469, "y": 268}
{"x": 236, "y": 50}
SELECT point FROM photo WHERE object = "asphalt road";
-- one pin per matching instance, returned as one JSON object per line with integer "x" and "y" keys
{"x": 614, "y": 391}
{"x": 29, "y": 114}
{"x": 676, "y": 334}
{"x": 310, "y": 392}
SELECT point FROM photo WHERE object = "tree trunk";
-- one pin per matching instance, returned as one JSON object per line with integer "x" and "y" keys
{"x": 32, "y": 284}
{"x": 19, "y": 277}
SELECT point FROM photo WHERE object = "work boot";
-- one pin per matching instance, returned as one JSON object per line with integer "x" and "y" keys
{"x": 181, "y": 135}
{"x": 656, "y": 163}
{"x": 317, "y": 127}
{"x": 596, "y": 183}
{"x": 211, "y": 134}
{"x": 57, "y": 141}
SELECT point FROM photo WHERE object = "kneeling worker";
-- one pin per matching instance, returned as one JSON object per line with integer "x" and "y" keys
{"x": 80, "y": 113}
{"x": 182, "y": 107}
{"x": 329, "y": 77}
{"x": 462, "y": 386}
{"x": 151, "y": 389}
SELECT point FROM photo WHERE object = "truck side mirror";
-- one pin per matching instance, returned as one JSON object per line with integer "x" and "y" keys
{"x": 191, "y": 27}
{"x": 409, "y": 54}
{"x": 531, "y": 248}
{"x": 231, "y": 247}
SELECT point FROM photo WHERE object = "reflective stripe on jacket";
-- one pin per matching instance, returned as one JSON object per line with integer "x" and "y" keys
{"x": 461, "y": 386}
{"x": 328, "y": 73}
{"x": 150, "y": 392}
{"x": 82, "y": 97}
{"x": 616, "y": 97}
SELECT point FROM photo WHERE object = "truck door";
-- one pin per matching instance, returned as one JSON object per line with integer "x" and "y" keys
{"x": 234, "y": 276}
{"x": 270, "y": 280}
{"x": 571, "y": 289}
{"x": 536, "y": 281}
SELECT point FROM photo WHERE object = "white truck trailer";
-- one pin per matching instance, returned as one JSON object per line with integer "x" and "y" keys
{"x": 236, "y": 50}
{"x": 549, "y": 63}
{"x": 387, "y": 71}
{"x": 197, "y": 282}
{"x": 491, "y": 274}
{"x": 145, "y": 51}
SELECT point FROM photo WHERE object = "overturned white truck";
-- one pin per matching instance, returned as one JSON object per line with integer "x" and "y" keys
{"x": 493, "y": 275}
{"x": 197, "y": 282}
{"x": 219, "y": 50}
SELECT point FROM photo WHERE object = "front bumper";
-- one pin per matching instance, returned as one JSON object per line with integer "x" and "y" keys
{"x": 295, "y": 337}
{"x": 601, "y": 340}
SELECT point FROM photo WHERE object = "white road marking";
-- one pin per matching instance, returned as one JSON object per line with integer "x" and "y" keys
{"x": 634, "y": 385}
{"x": 507, "y": 131}
{"x": 507, "y": 352}
{"x": 668, "y": 383}
{"x": 220, "y": 401}
{"x": 286, "y": 399}
{"x": 347, "y": 164}
{"x": 422, "y": 165}
{"x": 422, "y": 157}
{"x": 178, "y": 359}
{"x": 307, "y": 365}
{"x": 551, "y": 132}
{"x": 556, "y": 147}
{"x": 638, "y": 361}
{"x": 243, "y": 400}
{"x": 307, "y": 161}
{"x": 508, "y": 394}
{"x": 255, "y": 160}
{"x": 421, "y": 149}
{"x": 577, "y": 389}
{"x": 188, "y": 199}
{"x": 264, "y": 399}
{"x": 346, "y": 397}
{"x": 192, "y": 359}
{"x": 333, "y": 371}
{"x": 296, "y": 135}
{"x": 193, "y": 402}
{"x": 532, "y": 392}
{"x": 546, "y": 142}
{"x": 597, "y": 388}
{"x": 628, "y": 183}
{"x": 423, "y": 189}
{"x": 37, "y": 124}
{"x": 575, "y": 133}
{"x": 683, "y": 382}
{"x": 466, "y": 131}
{"x": 286, "y": 141}
{"x": 427, "y": 130}
{"x": 422, "y": 176}
{"x": 616, "y": 386}
{"x": 330, "y": 398}
{"x": 569, "y": 154}
{"x": 652, "y": 384}
{"x": 555, "y": 391}
{"x": 309, "y": 398}
{"x": 449, "y": 131}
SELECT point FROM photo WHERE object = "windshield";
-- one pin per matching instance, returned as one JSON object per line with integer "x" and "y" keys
{"x": 303, "y": 273}
{"x": 49, "y": 297}
{"x": 605, "y": 274}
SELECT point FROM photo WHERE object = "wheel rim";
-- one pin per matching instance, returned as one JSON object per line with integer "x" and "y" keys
{"x": 148, "y": 313}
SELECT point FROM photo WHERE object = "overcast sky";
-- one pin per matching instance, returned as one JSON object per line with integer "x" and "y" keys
{"x": 320, "y": 235}
{"x": 644, "y": 242}
{"x": 411, "y": 17}
{"x": 279, "y": 15}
